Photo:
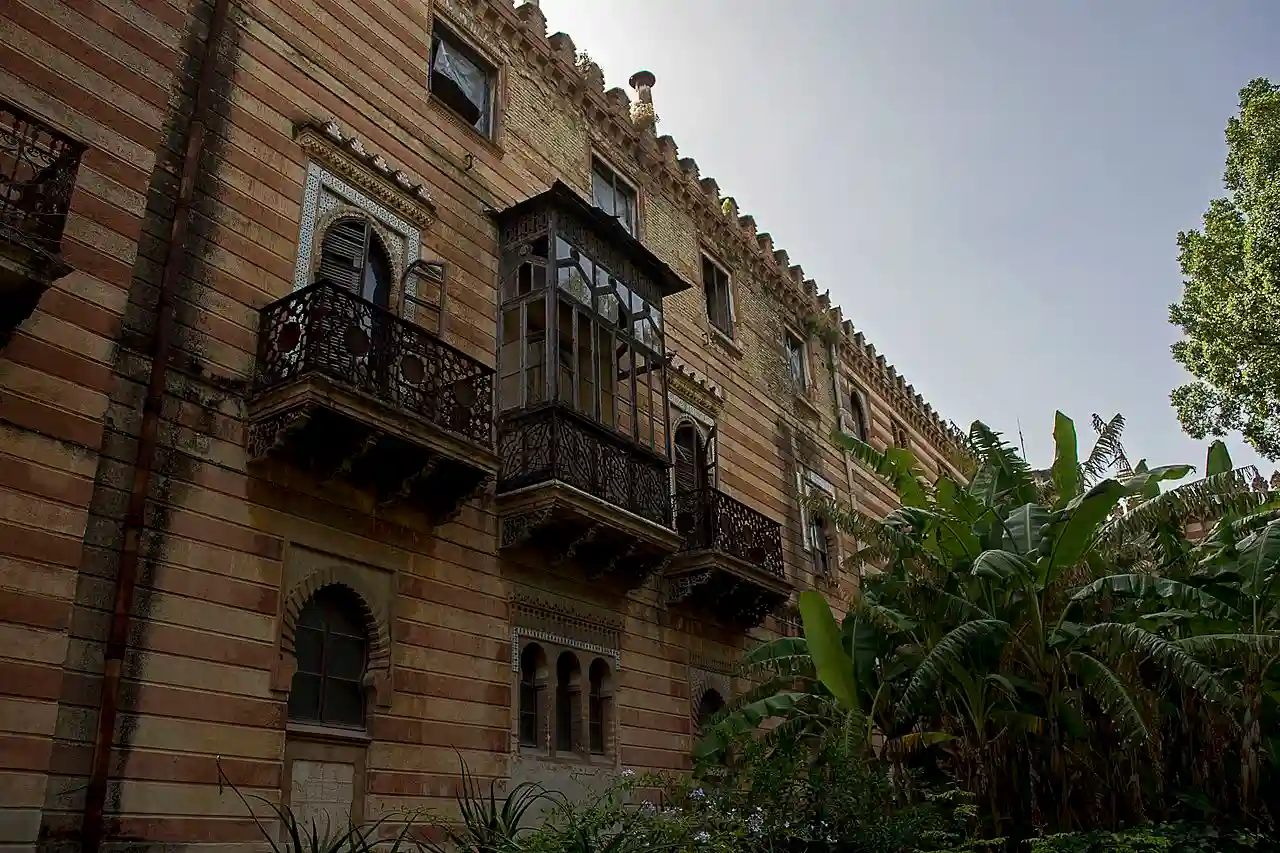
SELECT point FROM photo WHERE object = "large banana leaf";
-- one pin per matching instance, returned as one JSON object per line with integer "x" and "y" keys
{"x": 833, "y": 664}
{"x": 1066, "y": 459}
{"x": 1023, "y": 528}
{"x": 1152, "y": 586}
{"x": 1218, "y": 460}
{"x": 1084, "y": 514}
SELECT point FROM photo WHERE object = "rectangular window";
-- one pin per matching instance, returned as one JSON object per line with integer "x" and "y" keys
{"x": 818, "y": 540}
{"x": 796, "y": 362}
{"x": 715, "y": 283}
{"x": 461, "y": 80}
{"x": 613, "y": 195}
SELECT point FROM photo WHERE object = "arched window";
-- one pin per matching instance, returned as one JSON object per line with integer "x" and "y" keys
{"x": 568, "y": 703}
{"x": 331, "y": 646}
{"x": 709, "y": 705}
{"x": 533, "y": 664}
{"x": 691, "y": 458}
{"x": 352, "y": 256}
{"x": 858, "y": 409}
{"x": 599, "y": 706}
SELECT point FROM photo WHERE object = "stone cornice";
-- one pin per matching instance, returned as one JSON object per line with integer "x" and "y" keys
{"x": 685, "y": 383}
{"x": 345, "y": 155}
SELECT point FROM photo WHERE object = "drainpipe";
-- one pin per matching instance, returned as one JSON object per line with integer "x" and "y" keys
{"x": 144, "y": 462}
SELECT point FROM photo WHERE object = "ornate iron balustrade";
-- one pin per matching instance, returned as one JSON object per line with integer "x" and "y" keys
{"x": 710, "y": 520}
{"x": 37, "y": 174}
{"x": 328, "y": 330}
{"x": 555, "y": 443}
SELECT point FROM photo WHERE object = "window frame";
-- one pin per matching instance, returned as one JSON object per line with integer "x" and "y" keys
{"x": 859, "y": 411}
{"x": 602, "y": 167}
{"x": 329, "y": 598}
{"x": 807, "y": 482}
{"x": 722, "y": 277}
{"x": 443, "y": 31}
{"x": 800, "y": 383}
{"x": 549, "y": 709}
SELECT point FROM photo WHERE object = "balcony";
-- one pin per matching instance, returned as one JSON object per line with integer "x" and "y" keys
{"x": 730, "y": 564}
{"x": 38, "y": 169}
{"x": 574, "y": 490}
{"x": 347, "y": 390}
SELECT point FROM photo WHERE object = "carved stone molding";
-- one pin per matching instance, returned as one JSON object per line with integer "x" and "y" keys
{"x": 373, "y": 593}
{"x": 367, "y": 170}
{"x": 562, "y": 624}
{"x": 684, "y": 382}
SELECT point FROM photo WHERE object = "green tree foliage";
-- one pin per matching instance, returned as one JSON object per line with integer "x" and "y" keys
{"x": 1230, "y": 308}
{"x": 1048, "y": 640}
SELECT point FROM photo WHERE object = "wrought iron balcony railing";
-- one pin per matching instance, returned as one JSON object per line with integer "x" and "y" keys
{"x": 556, "y": 443}
{"x": 328, "y": 330}
{"x": 37, "y": 174}
{"x": 710, "y": 520}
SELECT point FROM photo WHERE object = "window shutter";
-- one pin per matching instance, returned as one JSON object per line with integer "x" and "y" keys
{"x": 804, "y": 513}
{"x": 342, "y": 254}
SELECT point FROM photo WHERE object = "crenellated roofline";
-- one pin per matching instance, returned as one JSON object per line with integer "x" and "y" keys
{"x": 630, "y": 128}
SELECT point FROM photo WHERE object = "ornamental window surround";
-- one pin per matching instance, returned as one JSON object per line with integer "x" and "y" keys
{"x": 565, "y": 702}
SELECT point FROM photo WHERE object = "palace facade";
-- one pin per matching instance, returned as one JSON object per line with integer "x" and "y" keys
{"x": 378, "y": 388}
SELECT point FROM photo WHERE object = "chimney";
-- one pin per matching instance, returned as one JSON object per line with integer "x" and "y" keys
{"x": 642, "y": 113}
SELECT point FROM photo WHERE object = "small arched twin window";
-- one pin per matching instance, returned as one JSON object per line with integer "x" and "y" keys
{"x": 709, "y": 705}
{"x": 552, "y": 714}
{"x": 353, "y": 256}
{"x": 331, "y": 645}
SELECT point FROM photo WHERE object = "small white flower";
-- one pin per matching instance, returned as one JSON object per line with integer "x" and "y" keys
{"x": 698, "y": 794}
{"x": 702, "y": 837}
{"x": 628, "y": 773}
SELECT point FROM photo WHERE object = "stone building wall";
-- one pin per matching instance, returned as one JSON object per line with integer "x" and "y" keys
{"x": 231, "y": 552}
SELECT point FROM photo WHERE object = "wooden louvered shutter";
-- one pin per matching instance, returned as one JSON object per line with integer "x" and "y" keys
{"x": 687, "y": 462}
{"x": 343, "y": 253}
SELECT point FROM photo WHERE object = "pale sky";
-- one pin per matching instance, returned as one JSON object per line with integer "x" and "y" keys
{"x": 991, "y": 189}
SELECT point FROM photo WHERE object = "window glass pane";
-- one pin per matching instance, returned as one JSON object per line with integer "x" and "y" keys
{"x": 345, "y": 658}
{"x": 565, "y": 385}
{"x": 343, "y": 702}
{"x": 563, "y": 250}
{"x": 535, "y": 352}
{"x": 304, "y": 697}
{"x": 528, "y": 715}
{"x": 574, "y": 281}
{"x": 308, "y": 646}
{"x": 602, "y": 191}
{"x": 461, "y": 82}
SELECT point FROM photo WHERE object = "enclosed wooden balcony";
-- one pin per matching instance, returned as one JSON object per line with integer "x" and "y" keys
{"x": 347, "y": 390}
{"x": 730, "y": 566}
{"x": 582, "y": 390}
{"x": 38, "y": 169}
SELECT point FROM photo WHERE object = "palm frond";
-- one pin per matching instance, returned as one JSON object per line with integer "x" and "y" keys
{"x": 1131, "y": 639}
{"x": 1207, "y": 497}
{"x": 1109, "y": 691}
{"x": 947, "y": 653}
{"x": 781, "y": 657}
{"x": 1151, "y": 586}
{"x": 1214, "y": 646}
{"x": 1107, "y": 449}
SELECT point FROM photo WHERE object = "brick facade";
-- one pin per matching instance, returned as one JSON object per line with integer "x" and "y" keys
{"x": 231, "y": 551}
